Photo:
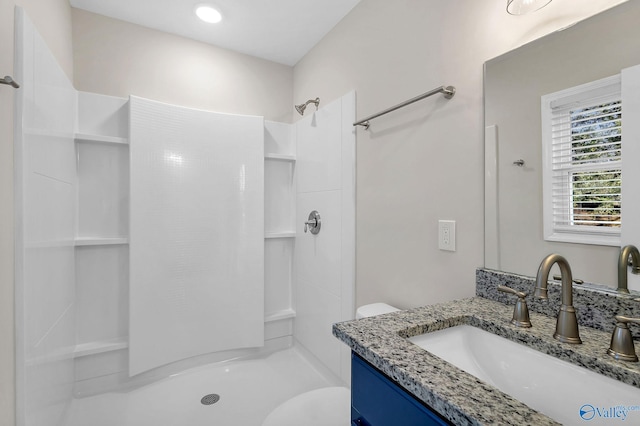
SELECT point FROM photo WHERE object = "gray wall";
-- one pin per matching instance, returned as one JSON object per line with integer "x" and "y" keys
{"x": 425, "y": 162}
{"x": 116, "y": 58}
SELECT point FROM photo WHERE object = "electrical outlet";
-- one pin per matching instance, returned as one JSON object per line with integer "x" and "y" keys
{"x": 447, "y": 235}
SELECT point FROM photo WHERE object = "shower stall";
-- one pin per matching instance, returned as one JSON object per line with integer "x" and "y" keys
{"x": 154, "y": 238}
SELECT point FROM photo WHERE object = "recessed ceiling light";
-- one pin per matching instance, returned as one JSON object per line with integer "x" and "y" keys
{"x": 208, "y": 14}
{"x": 521, "y": 7}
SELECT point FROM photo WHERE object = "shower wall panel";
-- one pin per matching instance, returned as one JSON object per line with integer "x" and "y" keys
{"x": 279, "y": 208}
{"x": 196, "y": 233}
{"x": 324, "y": 264}
{"x": 45, "y": 217}
{"x": 102, "y": 273}
{"x": 103, "y": 187}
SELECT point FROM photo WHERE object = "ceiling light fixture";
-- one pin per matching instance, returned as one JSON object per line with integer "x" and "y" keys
{"x": 208, "y": 14}
{"x": 521, "y": 7}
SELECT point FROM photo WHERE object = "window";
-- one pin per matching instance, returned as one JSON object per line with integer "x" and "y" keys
{"x": 582, "y": 163}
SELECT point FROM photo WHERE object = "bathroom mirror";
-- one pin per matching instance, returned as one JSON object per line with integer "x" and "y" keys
{"x": 598, "y": 47}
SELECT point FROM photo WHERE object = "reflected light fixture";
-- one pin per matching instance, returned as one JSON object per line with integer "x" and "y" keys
{"x": 521, "y": 7}
{"x": 208, "y": 14}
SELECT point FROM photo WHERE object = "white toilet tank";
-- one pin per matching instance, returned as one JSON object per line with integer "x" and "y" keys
{"x": 374, "y": 309}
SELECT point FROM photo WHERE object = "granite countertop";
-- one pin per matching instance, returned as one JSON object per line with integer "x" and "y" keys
{"x": 456, "y": 395}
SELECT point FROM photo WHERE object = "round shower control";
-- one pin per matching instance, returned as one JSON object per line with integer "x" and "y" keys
{"x": 313, "y": 223}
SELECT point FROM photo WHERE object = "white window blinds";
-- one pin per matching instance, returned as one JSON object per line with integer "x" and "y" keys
{"x": 582, "y": 140}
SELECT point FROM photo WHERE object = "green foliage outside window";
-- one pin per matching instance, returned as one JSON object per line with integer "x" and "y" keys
{"x": 596, "y": 139}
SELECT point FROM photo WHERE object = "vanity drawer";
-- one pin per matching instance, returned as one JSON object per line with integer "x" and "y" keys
{"x": 377, "y": 401}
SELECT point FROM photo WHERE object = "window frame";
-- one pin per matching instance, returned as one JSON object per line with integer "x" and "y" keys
{"x": 603, "y": 90}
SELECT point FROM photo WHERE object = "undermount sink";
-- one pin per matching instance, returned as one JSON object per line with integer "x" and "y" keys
{"x": 563, "y": 391}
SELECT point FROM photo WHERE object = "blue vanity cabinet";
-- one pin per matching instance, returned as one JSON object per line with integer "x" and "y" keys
{"x": 378, "y": 401}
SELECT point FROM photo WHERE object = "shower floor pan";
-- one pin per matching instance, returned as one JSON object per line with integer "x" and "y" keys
{"x": 246, "y": 392}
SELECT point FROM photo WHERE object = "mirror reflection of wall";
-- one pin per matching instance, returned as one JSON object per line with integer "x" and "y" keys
{"x": 593, "y": 49}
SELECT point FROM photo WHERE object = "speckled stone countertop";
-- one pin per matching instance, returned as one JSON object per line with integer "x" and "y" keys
{"x": 456, "y": 395}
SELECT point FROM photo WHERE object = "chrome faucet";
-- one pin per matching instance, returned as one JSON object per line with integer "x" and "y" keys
{"x": 623, "y": 263}
{"x": 567, "y": 323}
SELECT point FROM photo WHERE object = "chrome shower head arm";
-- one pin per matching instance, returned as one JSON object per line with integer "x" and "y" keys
{"x": 300, "y": 108}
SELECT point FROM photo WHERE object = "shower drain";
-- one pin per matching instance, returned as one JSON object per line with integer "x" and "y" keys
{"x": 210, "y": 399}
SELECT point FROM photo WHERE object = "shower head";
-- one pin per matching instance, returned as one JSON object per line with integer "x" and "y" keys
{"x": 300, "y": 108}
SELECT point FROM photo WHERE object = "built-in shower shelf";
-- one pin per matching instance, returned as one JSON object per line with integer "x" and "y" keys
{"x": 92, "y": 241}
{"x": 280, "y": 157}
{"x": 30, "y": 131}
{"x": 84, "y": 137}
{"x": 289, "y": 234}
{"x": 100, "y": 347}
{"x": 280, "y": 315}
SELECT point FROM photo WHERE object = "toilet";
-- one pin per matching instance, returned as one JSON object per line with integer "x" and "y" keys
{"x": 330, "y": 406}
{"x": 321, "y": 407}
{"x": 374, "y": 309}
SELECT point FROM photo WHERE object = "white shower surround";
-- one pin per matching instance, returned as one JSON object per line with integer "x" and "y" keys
{"x": 72, "y": 331}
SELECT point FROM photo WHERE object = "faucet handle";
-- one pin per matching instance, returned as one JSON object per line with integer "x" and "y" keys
{"x": 622, "y": 347}
{"x": 623, "y": 319}
{"x": 520, "y": 311}
{"x": 505, "y": 289}
{"x": 575, "y": 280}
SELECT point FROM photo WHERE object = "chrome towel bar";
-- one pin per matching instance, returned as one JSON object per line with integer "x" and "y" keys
{"x": 10, "y": 81}
{"x": 448, "y": 92}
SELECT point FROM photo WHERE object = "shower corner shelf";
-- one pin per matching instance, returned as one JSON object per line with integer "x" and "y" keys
{"x": 94, "y": 348}
{"x": 85, "y": 137}
{"x": 99, "y": 241}
{"x": 271, "y": 235}
{"x": 280, "y": 315}
{"x": 280, "y": 157}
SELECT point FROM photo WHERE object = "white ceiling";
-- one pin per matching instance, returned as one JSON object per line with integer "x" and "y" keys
{"x": 278, "y": 30}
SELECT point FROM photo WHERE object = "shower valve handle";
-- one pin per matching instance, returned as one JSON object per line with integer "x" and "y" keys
{"x": 313, "y": 223}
